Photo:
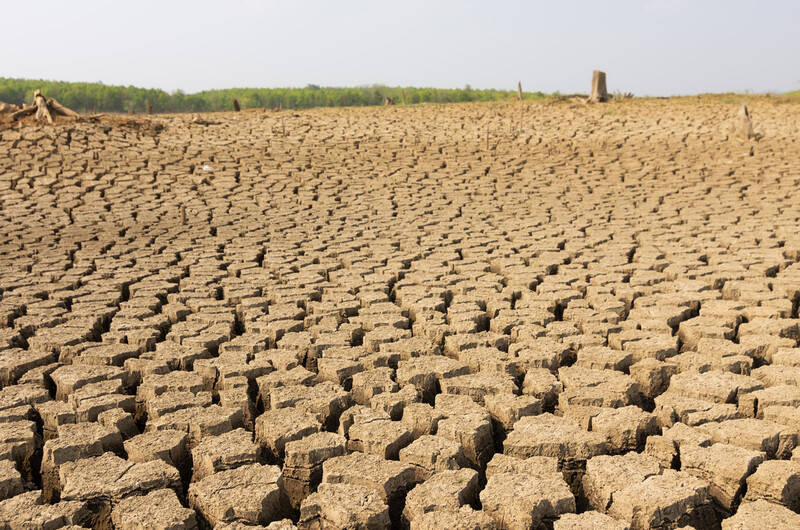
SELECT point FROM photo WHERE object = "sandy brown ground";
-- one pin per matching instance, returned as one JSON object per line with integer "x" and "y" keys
{"x": 479, "y": 316}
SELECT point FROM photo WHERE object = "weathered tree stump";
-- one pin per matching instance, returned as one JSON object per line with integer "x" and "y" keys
{"x": 599, "y": 91}
{"x": 744, "y": 125}
{"x": 44, "y": 108}
{"x": 236, "y": 105}
{"x": 147, "y": 107}
{"x": 403, "y": 94}
{"x": 519, "y": 89}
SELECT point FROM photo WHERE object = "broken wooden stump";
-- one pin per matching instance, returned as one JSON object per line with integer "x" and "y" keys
{"x": 236, "y": 105}
{"x": 148, "y": 107}
{"x": 519, "y": 89}
{"x": 744, "y": 125}
{"x": 44, "y": 108}
{"x": 599, "y": 91}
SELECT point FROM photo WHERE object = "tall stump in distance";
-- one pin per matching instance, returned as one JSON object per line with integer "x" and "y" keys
{"x": 744, "y": 126}
{"x": 148, "y": 107}
{"x": 599, "y": 91}
{"x": 236, "y": 105}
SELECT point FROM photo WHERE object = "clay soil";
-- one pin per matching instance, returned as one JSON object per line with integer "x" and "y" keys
{"x": 463, "y": 316}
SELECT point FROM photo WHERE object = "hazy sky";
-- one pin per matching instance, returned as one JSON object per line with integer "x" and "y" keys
{"x": 648, "y": 47}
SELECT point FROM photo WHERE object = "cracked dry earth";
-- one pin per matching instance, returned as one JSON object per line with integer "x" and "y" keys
{"x": 465, "y": 317}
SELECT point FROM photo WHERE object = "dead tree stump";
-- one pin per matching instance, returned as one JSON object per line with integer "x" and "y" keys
{"x": 519, "y": 89}
{"x": 236, "y": 105}
{"x": 744, "y": 125}
{"x": 403, "y": 94}
{"x": 44, "y": 108}
{"x": 148, "y": 107}
{"x": 599, "y": 91}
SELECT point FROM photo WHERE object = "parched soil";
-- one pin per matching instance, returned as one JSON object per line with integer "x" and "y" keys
{"x": 465, "y": 316}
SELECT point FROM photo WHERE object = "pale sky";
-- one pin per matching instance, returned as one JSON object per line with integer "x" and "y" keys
{"x": 648, "y": 47}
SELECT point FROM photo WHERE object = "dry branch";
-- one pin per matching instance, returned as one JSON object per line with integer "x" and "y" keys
{"x": 197, "y": 120}
{"x": 61, "y": 110}
{"x": 25, "y": 111}
{"x": 7, "y": 108}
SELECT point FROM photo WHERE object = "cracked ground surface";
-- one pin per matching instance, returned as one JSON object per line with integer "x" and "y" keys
{"x": 477, "y": 316}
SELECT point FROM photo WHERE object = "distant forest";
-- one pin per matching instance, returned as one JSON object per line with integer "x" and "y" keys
{"x": 91, "y": 97}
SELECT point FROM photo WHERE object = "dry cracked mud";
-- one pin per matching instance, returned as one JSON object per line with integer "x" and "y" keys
{"x": 466, "y": 316}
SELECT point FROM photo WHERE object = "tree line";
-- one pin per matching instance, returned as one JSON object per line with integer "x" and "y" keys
{"x": 98, "y": 97}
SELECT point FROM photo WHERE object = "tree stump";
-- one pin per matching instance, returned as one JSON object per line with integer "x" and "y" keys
{"x": 519, "y": 89}
{"x": 599, "y": 91}
{"x": 236, "y": 105}
{"x": 744, "y": 126}
{"x": 147, "y": 107}
{"x": 403, "y": 94}
{"x": 44, "y": 108}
